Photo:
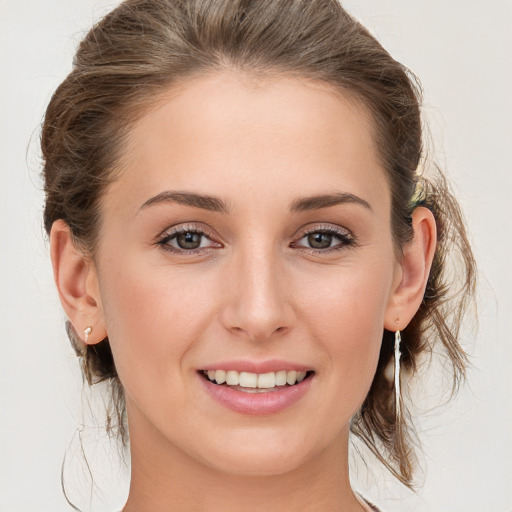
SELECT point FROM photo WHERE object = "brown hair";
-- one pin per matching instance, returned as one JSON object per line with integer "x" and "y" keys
{"x": 143, "y": 47}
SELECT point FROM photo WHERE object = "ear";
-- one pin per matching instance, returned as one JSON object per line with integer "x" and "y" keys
{"x": 77, "y": 283}
{"x": 414, "y": 270}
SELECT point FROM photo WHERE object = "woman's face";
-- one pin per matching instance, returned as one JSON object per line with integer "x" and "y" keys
{"x": 249, "y": 232}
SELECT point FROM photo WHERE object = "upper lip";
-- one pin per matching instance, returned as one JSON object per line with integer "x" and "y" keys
{"x": 267, "y": 366}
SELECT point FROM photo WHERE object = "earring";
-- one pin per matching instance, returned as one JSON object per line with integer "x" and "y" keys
{"x": 398, "y": 395}
{"x": 87, "y": 332}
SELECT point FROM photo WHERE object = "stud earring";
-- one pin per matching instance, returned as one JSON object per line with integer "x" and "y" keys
{"x": 87, "y": 332}
{"x": 398, "y": 395}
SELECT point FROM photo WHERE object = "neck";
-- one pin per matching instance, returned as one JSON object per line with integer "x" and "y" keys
{"x": 165, "y": 478}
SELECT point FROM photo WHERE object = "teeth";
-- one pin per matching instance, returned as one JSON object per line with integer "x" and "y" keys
{"x": 256, "y": 380}
{"x": 220, "y": 376}
{"x": 248, "y": 380}
{"x": 267, "y": 380}
{"x": 232, "y": 378}
{"x": 301, "y": 376}
{"x": 281, "y": 378}
{"x": 291, "y": 377}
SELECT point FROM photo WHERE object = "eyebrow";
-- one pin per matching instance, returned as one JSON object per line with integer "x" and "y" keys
{"x": 326, "y": 200}
{"x": 215, "y": 204}
{"x": 210, "y": 203}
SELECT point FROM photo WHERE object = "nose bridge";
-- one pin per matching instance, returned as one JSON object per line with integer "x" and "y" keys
{"x": 259, "y": 305}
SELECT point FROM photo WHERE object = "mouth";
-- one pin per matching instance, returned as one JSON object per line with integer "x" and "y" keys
{"x": 256, "y": 382}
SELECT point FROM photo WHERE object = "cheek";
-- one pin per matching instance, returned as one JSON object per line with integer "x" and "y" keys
{"x": 348, "y": 318}
{"x": 154, "y": 318}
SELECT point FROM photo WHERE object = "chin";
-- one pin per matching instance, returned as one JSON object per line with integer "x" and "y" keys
{"x": 259, "y": 457}
{"x": 262, "y": 466}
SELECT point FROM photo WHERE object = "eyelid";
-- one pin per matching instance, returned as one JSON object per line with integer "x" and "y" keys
{"x": 346, "y": 236}
{"x": 330, "y": 228}
{"x": 326, "y": 227}
{"x": 199, "y": 228}
{"x": 186, "y": 226}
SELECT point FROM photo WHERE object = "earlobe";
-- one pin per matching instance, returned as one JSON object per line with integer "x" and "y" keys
{"x": 415, "y": 266}
{"x": 76, "y": 279}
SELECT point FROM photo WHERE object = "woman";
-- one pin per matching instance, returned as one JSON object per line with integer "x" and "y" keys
{"x": 244, "y": 245}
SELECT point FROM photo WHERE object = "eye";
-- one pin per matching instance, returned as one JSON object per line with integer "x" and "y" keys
{"x": 320, "y": 240}
{"x": 325, "y": 239}
{"x": 187, "y": 240}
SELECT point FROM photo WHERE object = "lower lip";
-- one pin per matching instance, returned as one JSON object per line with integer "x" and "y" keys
{"x": 257, "y": 404}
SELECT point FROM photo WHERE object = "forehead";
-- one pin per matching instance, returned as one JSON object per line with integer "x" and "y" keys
{"x": 228, "y": 133}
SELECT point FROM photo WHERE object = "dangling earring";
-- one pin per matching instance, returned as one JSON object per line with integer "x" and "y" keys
{"x": 398, "y": 395}
{"x": 87, "y": 332}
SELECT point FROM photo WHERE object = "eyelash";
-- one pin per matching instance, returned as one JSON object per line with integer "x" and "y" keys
{"x": 345, "y": 238}
{"x": 172, "y": 234}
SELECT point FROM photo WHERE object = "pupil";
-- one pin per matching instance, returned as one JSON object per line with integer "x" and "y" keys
{"x": 189, "y": 240}
{"x": 320, "y": 240}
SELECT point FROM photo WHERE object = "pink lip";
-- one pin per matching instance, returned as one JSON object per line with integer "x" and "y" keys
{"x": 271, "y": 365}
{"x": 258, "y": 404}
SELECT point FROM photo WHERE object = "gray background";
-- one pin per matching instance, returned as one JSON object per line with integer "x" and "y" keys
{"x": 462, "y": 51}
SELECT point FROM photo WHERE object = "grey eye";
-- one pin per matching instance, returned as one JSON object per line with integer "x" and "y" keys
{"x": 325, "y": 239}
{"x": 189, "y": 240}
{"x": 320, "y": 240}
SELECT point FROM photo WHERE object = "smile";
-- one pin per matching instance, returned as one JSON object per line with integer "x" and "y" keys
{"x": 255, "y": 382}
{"x": 257, "y": 393}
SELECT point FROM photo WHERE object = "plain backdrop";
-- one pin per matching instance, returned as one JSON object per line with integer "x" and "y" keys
{"x": 462, "y": 52}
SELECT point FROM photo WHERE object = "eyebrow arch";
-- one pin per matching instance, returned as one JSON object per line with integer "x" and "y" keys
{"x": 215, "y": 204}
{"x": 326, "y": 200}
{"x": 210, "y": 203}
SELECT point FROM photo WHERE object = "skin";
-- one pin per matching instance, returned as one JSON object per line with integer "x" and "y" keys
{"x": 255, "y": 290}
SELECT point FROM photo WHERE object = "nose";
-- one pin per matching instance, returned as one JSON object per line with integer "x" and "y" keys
{"x": 258, "y": 302}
